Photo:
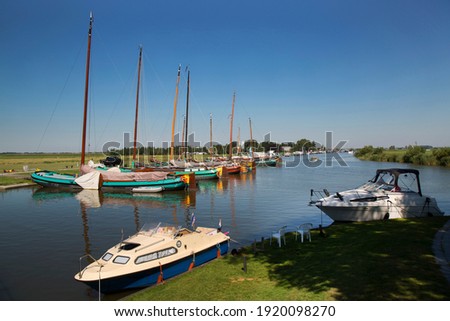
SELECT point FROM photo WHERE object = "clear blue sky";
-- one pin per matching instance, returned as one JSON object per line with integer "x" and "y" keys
{"x": 372, "y": 72}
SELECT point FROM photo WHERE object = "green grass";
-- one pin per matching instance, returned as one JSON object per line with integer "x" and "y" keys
{"x": 380, "y": 260}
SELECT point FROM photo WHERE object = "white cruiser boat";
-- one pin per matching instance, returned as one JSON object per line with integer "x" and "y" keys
{"x": 154, "y": 254}
{"x": 392, "y": 193}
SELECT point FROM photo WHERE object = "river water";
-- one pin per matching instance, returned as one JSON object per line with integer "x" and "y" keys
{"x": 43, "y": 233}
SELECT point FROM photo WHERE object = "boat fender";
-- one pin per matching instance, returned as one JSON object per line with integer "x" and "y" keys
{"x": 386, "y": 216}
{"x": 191, "y": 266}
{"x": 218, "y": 250}
{"x": 160, "y": 276}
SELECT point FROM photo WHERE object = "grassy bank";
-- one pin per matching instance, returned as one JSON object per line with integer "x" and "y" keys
{"x": 413, "y": 155}
{"x": 20, "y": 166}
{"x": 380, "y": 260}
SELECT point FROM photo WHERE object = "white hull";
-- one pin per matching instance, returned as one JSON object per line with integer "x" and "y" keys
{"x": 378, "y": 210}
{"x": 380, "y": 199}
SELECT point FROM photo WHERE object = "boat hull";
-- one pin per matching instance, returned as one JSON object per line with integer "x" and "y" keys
{"x": 151, "y": 276}
{"x": 200, "y": 174}
{"x": 56, "y": 180}
{"x": 396, "y": 206}
{"x": 52, "y": 179}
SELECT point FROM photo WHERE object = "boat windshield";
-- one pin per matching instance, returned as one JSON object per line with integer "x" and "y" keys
{"x": 406, "y": 182}
{"x": 159, "y": 229}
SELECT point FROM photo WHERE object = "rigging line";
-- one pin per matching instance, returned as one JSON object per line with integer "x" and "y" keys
{"x": 158, "y": 78}
{"x": 97, "y": 33}
{"x": 59, "y": 98}
{"x": 115, "y": 106}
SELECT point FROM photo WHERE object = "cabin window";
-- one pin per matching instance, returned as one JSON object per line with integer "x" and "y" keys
{"x": 121, "y": 259}
{"x": 107, "y": 256}
{"x": 156, "y": 255}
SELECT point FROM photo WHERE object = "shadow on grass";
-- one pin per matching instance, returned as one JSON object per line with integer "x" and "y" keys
{"x": 382, "y": 260}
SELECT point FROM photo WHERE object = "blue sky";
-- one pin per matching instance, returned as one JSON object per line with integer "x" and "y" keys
{"x": 372, "y": 72}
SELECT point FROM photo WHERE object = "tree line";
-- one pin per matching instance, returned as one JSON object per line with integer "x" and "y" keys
{"x": 417, "y": 155}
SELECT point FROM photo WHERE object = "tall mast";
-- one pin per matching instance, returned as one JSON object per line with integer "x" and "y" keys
{"x": 86, "y": 90}
{"x": 187, "y": 115}
{"x": 174, "y": 114}
{"x": 182, "y": 136}
{"x": 251, "y": 138}
{"x": 137, "y": 103}
{"x": 239, "y": 140}
{"x": 231, "y": 126}
{"x": 210, "y": 135}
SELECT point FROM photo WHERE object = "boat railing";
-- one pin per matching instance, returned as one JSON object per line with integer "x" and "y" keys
{"x": 80, "y": 274}
{"x": 317, "y": 195}
{"x": 84, "y": 269}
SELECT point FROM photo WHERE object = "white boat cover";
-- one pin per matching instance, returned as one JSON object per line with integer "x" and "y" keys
{"x": 90, "y": 180}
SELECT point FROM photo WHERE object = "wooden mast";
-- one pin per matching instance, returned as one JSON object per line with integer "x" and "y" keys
{"x": 251, "y": 138}
{"x": 186, "y": 139}
{"x": 137, "y": 104}
{"x": 231, "y": 126}
{"x": 174, "y": 114}
{"x": 86, "y": 91}
{"x": 210, "y": 136}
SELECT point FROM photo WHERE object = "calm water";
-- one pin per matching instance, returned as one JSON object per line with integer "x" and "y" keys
{"x": 44, "y": 233}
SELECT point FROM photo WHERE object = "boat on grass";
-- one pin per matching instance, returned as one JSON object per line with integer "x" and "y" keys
{"x": 392, "y": 193}
{"x": 154, "y": 254}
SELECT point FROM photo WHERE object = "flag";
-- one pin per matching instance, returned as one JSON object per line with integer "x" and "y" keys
{"x": 220, "y": 223}
{"x": 192, "y": 219}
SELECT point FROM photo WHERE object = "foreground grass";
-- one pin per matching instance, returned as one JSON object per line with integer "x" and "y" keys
{"x": 380, "y": 260}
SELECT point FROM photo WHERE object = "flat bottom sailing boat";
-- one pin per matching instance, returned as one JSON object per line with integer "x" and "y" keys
{"x": 98, "y": 178}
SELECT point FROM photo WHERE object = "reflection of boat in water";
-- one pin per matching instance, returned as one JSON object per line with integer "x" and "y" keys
{"x": 392, "y": 193}
{"x": 152, "y": 255}
{"x": 95, "y": 198}
{"x": 147, "y": 189}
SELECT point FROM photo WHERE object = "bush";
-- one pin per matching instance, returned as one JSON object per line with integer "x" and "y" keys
{"x": 442, "y": 156}
{"x": 414, "y": 155}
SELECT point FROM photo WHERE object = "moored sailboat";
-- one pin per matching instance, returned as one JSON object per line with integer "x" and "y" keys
{"x": 90, "y": 178}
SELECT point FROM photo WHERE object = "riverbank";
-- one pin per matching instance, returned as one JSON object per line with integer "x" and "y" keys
{"x": 379, "y": 260}
{"x": 415, "y": 155}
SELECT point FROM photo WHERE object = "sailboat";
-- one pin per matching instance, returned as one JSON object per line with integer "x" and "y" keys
{"x": 183, "y": 167}
{"x": 231, "y": 166}
{"x": 92, "y": 178}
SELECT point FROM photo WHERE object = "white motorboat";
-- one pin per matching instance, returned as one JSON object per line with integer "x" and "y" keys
{"x": 392, "y": 193}
{"x": 154, "y": 254}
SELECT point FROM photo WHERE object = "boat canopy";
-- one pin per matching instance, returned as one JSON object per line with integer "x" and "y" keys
{"x": 398, "y": 177}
